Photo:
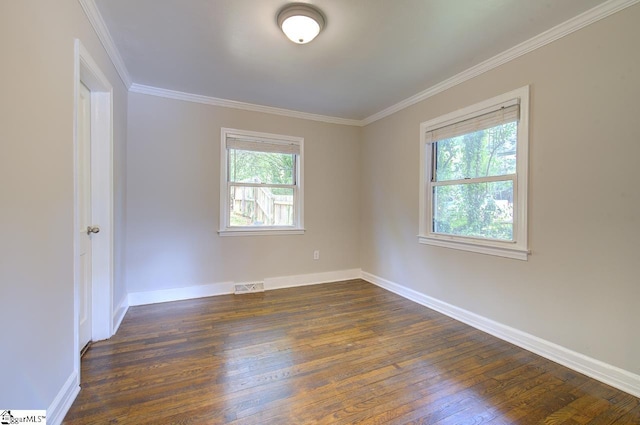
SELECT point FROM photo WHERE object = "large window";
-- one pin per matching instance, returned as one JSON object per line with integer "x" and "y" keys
{"x": 261, "y": 183}
{"x": 473, "y": 193}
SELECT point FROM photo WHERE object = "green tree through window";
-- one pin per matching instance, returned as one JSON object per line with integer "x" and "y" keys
{"x": 261, "y": 187}
{"x": 474, "y": 178}
{"x": 465, "y": 206}
{"x": 261, "y": 167}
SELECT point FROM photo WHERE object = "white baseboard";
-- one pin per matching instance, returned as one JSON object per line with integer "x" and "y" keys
{"x": 310, "y": 279}
{"x": 604, "y": 372}
{"x": 179, "y": 294}
{"x": 119, "y": 313}
{"x": 199, "y": 291}
{"x": 63, "y": 401}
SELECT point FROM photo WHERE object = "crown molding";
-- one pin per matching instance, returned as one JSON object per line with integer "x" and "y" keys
{"x": 99, "y": 26}
{"x": 207, "y": 100}
{"x": 574, "y": 24}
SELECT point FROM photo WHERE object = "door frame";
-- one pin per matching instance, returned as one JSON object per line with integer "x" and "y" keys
{"x": 87, "y": 71}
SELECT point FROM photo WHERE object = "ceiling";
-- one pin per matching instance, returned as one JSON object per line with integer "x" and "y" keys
{"x": 371, "y": 55}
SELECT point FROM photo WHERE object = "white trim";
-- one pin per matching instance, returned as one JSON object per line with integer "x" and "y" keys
{"x": 64, "y": 399}
{"x": 310, "y": 279}
{"x": 222, "y": 288}
{"x": 101, "y": 187}
{"x": 224, "y": 226}
{"x": 267, "y": 231}
{"x": 102, "y": 31}
{"x": 574, "y": 24}
{"x": 87, "y": 71}
{"x": 616, "y": 377}
{"x": 119, "y": 313}
{"x": 481, "y": 248}
{"x": 214, "y": 101}
{"x": 179, "y": 294}
{"x": 516, "y": 249}
{"x": 488, "y": 179}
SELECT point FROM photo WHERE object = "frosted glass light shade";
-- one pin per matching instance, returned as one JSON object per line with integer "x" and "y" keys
{"x": 300, "y": 22}
{"x": 300, "y": 29}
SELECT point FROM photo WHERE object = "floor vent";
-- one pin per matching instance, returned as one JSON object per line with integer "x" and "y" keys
{"x": 246, "y": 288}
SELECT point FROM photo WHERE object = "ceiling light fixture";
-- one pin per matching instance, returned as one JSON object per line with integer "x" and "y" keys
{"x": 300, "y": 22}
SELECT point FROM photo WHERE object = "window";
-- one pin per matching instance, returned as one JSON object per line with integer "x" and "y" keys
{"x": 473, "y": 187}
{"x": 260, "y": 183}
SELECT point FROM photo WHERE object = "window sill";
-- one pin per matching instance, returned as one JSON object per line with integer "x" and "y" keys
{"x": 479, "y": 247}
{"x": 260, "y": 232}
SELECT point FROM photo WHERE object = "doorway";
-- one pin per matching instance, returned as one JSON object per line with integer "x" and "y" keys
{"x": 93, "y": 211}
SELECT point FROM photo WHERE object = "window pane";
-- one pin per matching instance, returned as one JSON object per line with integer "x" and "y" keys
{"x": 260, "y": 206}
{"x": 490, "y": 152}
{"x": 482, "y": 210}
{"x": 261, "y": 167}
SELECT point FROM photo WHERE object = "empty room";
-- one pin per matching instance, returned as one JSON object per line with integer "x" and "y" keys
{"x": 320, "y": 212}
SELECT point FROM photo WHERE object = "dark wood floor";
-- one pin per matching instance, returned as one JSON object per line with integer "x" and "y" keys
{"x": 339, "y": 353}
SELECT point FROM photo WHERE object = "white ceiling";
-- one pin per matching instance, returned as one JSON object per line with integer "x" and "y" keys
{"x": 371, "y": 55}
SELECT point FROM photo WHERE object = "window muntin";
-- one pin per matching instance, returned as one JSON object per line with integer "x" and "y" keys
{"x": 261, "y": 183}
{"x": 473, "y": 191}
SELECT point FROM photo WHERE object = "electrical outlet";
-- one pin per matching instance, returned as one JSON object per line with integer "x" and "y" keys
{"x": 316, "y": 254}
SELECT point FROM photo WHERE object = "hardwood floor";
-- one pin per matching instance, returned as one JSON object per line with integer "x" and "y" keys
{"x": 338, "y": 353}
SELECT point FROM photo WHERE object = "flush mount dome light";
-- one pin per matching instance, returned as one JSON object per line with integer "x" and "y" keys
{"x": 300, "y": 22}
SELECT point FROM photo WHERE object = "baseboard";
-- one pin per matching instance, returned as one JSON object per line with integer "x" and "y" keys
{"x": 179, "y": 294}
{"x": 310, "y": 279}
{"x": 63, "y": 401}
{"x": 119, "y": 313}
{"x": 199, "y": 291}
{"x": 601, "y": 371}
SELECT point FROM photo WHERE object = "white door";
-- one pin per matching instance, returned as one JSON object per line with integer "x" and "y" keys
{"x": 84, "y": 212}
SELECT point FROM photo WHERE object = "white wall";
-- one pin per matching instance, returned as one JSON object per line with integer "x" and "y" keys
{"x": 580, "y": 287}
{"x": 173, "y": 172}
{"x": 36, "y": 194}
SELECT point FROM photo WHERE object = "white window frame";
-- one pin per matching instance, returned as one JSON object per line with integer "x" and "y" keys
{"x": 298, "y": 193}
{"x": 518, "y": 247}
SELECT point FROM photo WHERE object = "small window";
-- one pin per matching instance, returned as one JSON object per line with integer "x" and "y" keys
{"x": 261, "y": 183}
{"x": 474, "y": 177}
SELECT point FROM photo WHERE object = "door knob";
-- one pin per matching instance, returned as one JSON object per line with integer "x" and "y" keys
{"x": 92, "y": 229}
